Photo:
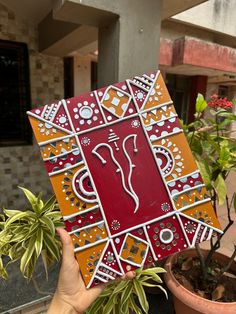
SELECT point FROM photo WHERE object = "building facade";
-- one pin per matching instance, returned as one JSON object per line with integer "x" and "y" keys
{"x": 20, "y": 164}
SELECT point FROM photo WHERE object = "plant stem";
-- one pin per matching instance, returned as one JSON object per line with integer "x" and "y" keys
{"x": 217, "y": 244}
{"x": 202, "y": 261}
{"x": 224, "y": 269}
{"x": 194, "y": 131}
{"x": 37, "y": 288}
{"x": 217, "y": 129}
{"x": 214, "y": 202}
{"x": 229, "y": 204}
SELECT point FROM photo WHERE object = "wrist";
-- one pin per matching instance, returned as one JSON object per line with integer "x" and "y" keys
{"x": 59, "y": 306}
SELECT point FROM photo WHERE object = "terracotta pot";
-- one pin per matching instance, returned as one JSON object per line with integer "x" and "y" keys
{"x": 186, "y": 302}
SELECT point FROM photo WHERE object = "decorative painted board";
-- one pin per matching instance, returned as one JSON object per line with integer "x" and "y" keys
{"x": 125, "y": 179}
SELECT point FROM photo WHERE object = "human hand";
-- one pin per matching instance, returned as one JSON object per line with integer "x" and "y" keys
{"x": 71, "y": 295}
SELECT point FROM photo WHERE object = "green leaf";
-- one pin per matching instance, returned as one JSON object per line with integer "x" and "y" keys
{"x": 33, "y": 229}
{"x": 221, "y": 189}
{"x": 50, "y": 244}
{"x": 3, "y": 272}
{"x": 96, "y": 306}
{"x": 49, "y": 205}
{"x": 45, "y": 261}
{"x": 19, "y": 237}
{"x": 155, "y": 270}
{"x": 156, "y": 278}
{"x": 126, "y": 293}
{"x": 31, "y": 266}
{"x": 109, "y": 305}
{"x": 205, "y": 172}
{"x": 145, "y": 278}
{"x": 135, "y": 307}
{"x": 39, "y": 201}
{"x": 163, "y": 289}
{"x": 16, "y": 252}
{"x": 120, "y": 286}
{"x": 230, "y": 116}
{"x": 48, "y": 223}
{"x": 27, "y": 255}
{"x": 201, "y": 104}
{"x": 124, "y": 307}
{"x": 22, "y": 215}
{"x": 39, "y": 241}
{"x": 149, "y": 284}
{"x": 29, "y": 195}
{"x": 107, "y": 291}
{"x": 11, "y": 212}
{"x": 141, "y": 295}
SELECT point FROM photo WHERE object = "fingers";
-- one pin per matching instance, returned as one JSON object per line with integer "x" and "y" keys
{"x": 129, "y": 275}
{"x": 67, "y": 246}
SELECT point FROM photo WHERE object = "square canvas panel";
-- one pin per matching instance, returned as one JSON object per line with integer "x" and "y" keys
{"x": 128, "y": 187}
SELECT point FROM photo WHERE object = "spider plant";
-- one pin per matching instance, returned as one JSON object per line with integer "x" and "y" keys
{"x": 27, "y": 235}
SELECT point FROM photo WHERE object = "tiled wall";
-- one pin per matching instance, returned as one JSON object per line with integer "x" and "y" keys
{"x": 22, "y": 165}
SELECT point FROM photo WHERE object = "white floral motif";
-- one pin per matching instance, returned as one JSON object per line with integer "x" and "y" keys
{"x": 135, "y": 124}
{"x": 85, "y": 141}
{"x": 165, "y": 207}
{"x": 139, "y": 95}
{"x": 190, "y": 227}
{"x": 115, "y": 225}
{"x": 61, "y": 120}
{"x": 110, "y": 259}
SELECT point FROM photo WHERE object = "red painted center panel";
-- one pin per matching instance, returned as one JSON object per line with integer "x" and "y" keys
{"x": 117, "y": 159}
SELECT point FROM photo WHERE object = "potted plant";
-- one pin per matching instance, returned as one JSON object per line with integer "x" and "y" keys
{"x": 205, "y": 281}
{"x": 26, "y": 236}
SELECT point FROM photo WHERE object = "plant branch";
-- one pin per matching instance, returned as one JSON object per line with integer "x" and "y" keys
{"x": 216, "y": 246}
{"x": 194, "y": 131}
{"x": 217, "y": 243}
{"x": 228, "y": 204}
{"x": 227, "y": 267}
{"x": 202, "y": 260}
{"x": 37, "y": 288}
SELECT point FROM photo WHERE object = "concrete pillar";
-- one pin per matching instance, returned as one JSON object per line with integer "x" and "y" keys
{"x": 82, "y": 74}
{"x": 129, "y": 45}
{"x": 129, "y": 34}
{"x": 232, "y": 95}
{"x": 198, "y": 85}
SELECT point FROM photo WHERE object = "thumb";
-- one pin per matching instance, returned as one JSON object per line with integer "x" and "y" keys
{"x": 67, "y": 247}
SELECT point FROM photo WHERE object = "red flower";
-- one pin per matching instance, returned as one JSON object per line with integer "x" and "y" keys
{"x": 218, "y": 102}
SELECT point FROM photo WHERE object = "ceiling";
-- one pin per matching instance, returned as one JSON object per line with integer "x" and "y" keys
{"x": 32, "y": 10}
{"x": 35, "y": 11}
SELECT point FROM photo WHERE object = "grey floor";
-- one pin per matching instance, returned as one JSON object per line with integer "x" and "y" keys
{"x": 17, "y": 291}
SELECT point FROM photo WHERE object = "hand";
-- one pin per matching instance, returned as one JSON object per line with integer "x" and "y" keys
{"x": 71, "y": 295}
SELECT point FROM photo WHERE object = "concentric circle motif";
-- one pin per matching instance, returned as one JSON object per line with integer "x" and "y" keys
{"x": 164, "y": 159}
{"x": 82, "y": 186}
{"x": 166, "y": 236}
{"x": 86, "y": 112}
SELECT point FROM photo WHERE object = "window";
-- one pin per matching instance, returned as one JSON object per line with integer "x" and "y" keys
{"x": 179, "y": 87}
{"x": 14, "y": 94}
{"x": 223, "y": 91}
